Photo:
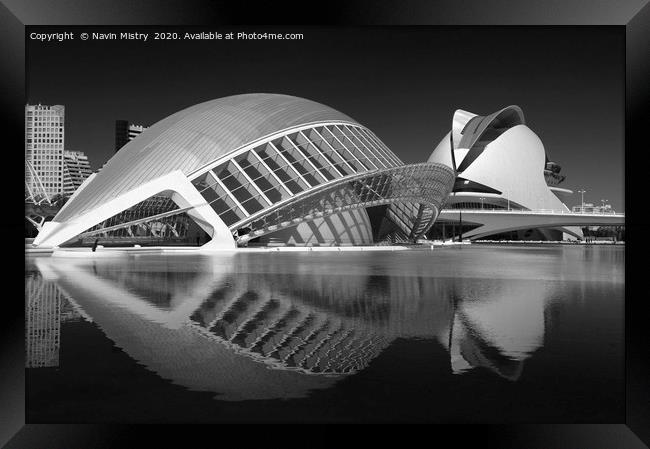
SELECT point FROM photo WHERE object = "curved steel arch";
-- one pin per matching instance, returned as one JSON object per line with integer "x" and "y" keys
{"x": 39, "y": 196}
{"x": 425, "y": 184}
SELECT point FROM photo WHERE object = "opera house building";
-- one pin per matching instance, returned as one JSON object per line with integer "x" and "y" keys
{"x": 253, "y": 169}
{"x": 501, "y": 164}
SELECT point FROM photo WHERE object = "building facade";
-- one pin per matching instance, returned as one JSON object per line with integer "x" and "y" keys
{"x": 126, "y": 132}
{"x": 254, "y": 169}
{"x": 44, "y": 147}
{"x": 76, "y": 169}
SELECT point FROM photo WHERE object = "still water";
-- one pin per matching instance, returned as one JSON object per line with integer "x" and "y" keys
{"x": 472, "y": 334}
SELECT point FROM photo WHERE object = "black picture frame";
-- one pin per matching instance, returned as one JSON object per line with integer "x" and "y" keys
{"x": 633, "y": 15}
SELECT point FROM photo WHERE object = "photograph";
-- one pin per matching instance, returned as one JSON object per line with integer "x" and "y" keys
{"x": 323, "y": 225}
{"x": 359, "y": 223}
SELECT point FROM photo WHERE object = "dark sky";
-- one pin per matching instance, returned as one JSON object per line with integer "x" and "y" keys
{"x": 404, "y": 83}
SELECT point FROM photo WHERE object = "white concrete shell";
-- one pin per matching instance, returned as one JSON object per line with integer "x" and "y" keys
{"x": 249, "y": 165}
{"x": 500, "y": 160}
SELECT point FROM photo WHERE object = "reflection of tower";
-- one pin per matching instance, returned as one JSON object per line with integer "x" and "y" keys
{"x": 42, "y": 322}
{"x": 68, "y": 312}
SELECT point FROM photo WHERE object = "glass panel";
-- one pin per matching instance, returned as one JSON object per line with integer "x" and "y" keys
{"x": 264, "y": 181}
{"x": 239, "y": 186}
{"x": 204, "y": 181}
{"x": 370, "y": 152}
{"x": 380, "y": 145}
{"x": 223, "y": 205}
{"x": 316, "y": 158}
{"x": 296, "y": 160}
{"x": 279, "y": 167}
{"x": 251, "y": 185}
{"x": 347, "y": 153}
{"x": 333, "y": 157}
{"x": 358, "y": 151}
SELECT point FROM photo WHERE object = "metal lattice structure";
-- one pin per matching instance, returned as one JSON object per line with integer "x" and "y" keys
{"x": 420, "y": 188}
{"x": 157, "y": 217}
{"x": 35, "y": 192}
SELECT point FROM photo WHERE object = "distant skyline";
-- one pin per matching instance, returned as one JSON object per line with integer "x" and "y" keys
{"x": 404, "y": 83}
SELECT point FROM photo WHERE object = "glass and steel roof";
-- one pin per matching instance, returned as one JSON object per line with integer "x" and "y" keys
{"x": 280, "y": 170}
{"x": 194, "y": 137}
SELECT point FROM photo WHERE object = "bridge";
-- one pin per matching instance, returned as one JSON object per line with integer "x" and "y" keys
{"x": 36, "y": 198}
{"x": 496, "y": 221}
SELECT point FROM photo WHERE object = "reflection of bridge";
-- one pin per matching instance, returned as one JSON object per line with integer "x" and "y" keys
{"x": 498, "y": 221}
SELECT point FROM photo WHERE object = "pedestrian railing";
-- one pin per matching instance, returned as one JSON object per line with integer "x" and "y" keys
{"x": 535, "y": 211}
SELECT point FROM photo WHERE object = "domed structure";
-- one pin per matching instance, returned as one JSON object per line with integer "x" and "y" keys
{"x": 245, "y": 169}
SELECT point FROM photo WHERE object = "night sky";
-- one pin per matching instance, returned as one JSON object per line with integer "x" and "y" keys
{"x": 404, "y": 83}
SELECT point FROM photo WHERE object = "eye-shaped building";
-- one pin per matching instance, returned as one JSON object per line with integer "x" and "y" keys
{"x": 254, "y": 168}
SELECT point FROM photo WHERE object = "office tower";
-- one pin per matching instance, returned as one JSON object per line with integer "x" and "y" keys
{"x": 76, "y": 169}
{"x": 44, "y": 143}
{"x": 125, "y": 132}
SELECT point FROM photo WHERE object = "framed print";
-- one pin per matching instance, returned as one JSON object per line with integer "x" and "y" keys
{"x": 373, "y": 214}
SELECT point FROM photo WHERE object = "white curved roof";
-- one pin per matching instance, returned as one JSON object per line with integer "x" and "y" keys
{"x": 194, "y": 137}
{"x": 467, "y": 129}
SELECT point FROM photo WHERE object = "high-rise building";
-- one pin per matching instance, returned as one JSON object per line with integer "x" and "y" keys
{"x": 44, "y": 144}
{"x": 125, "y": 132}
{"x": 76, "y": 169}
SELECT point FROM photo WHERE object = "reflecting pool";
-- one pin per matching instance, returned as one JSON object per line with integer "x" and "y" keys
{"x": 471, "y": 334}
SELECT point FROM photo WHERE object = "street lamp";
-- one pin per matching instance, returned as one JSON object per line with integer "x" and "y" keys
{"x": 582, "y": 200}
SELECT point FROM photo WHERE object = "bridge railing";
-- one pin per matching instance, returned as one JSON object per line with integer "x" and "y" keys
{"x": 532, "y": 211}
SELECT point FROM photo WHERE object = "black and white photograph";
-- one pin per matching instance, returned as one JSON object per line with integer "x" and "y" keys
{"x": 326, "y": 224}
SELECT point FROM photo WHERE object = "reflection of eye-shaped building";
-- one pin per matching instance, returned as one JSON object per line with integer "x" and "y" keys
{"x": 225, "y": 333}
{"x": 238, "y": 327}
{"x": 253, "y": 168}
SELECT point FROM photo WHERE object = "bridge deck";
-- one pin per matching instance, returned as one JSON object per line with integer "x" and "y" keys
{"x": 498, "y": 221}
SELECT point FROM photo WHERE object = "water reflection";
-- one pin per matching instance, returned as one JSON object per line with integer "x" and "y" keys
{"x": 46, "y": 307}
{"x": 246, "y": 327}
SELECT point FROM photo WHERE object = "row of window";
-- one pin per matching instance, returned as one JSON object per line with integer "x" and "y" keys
{"x": 43, "y": 155}
{"x": 45, "y": 146}
{"x": 44, "y": 140}
{"x": 47, "y": 128}
{"x": 41, "y": 110}
{"x": 41, "y": 132}
{"x": 477, "y": 205}
{"x": 45, "y": 133}
{"x": 288, "y": 165}
{"x": 46, "y": 120}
